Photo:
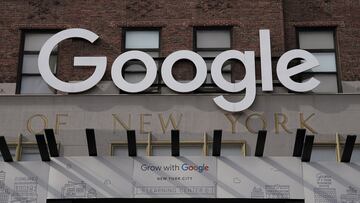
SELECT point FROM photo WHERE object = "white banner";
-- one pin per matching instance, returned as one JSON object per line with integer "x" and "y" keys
{"x": 90, "y": 177}
{"x": 24, "y": 182}
{"x": 331, "y": 182}
{"x": 265, "y": 178}
{"x": 175, "y": 177}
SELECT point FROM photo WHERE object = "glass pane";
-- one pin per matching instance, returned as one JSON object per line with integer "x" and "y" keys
{"x": 355, "y": 157}
{"x": 227, "y": 76}
{"x": 30, "y": 63}
{"x": 34, "y": 85}
{"x": 327, "y": 62}
{"x": 34, "y": 41}
{"x": 142, "y": 39}
{"x": 30, "y": 154}
{"x": 153, "y": 54}
{"x": 163, "y": 150}
{"x": 208, "y": 78}
{"x": 228, "y": 150}
{"x": 316, "y": 40}
{"x": 227, "y": 66}
{"x": 213, "y": 39}
{"x": 191, "y": 150}
{"x": 209, "y": 54}
{"x": 208, "y": 64}
{"x": 123, "y": 150}
{"x": 328, "y": 83}
{"x": 136, "y": 66}
{"x": 134, "y": 77}
{"x": 323, "y": 153}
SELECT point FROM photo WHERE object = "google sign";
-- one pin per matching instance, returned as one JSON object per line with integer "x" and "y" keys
{"x": 248, "y": 83}
{"x": 175, "y": 167}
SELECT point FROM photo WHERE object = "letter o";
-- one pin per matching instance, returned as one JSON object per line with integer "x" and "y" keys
{"x": 168, "y": 78}
{"x": 150, "y": 76}
{"x": 253, "y": 116}
{"x": 29, "y": 123}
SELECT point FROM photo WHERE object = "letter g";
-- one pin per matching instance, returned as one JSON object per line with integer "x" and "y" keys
{"x": 48, "y": 76}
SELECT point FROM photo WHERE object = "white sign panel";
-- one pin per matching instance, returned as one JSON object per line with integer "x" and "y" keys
{"x": 90, "y": 177}
{"x": 181, "y": 177}
{"x": 24, "y": 182}
{"x": 331, "y": 182}
{"x": 264, "y": 178}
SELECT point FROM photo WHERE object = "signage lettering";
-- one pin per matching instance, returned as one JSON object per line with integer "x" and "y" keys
{"x": 248, "y": 83}
{"x": 252, "y": 123}
{"x": 185, "y": 167}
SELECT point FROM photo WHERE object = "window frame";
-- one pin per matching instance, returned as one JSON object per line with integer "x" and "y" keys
{"x": 156, "y": 86}
{"x": 213, "y": 87}
{"x": 337, "y": 73}
{"x": 202, "y": 144}
{"x": 188, "y": 143}
{"x": 326, "y": 145}
{"x": 22, "y": 52}
{"x": 20, "y": 144}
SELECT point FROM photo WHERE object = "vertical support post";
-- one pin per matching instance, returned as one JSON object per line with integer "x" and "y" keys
{"x": 44, "y": 153}
{"x": 50, "y": 137}
{"x": 18, "y": 148}
{"x": 337, "y": 138}
{"x": 175, "y": 143}
{"x": 148, "y": 147}
{"x": 260, "y": 143}
{"x": 243, "y": 149}
{"x": 299, "y": 142}
{"x": 205, "y": 146}
{"x": 5, "y": 152}
{"x": 217, "y": 143}
{"x": 348, "y": 148}
{"x": 306, "y": 154}
{"x": 91, "y": 142}
{"x": 131, "y": 138}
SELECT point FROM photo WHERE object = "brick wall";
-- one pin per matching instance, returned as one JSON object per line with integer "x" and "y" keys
{"x": 344, "y": 15}
{"x": 176, "y": 19}
{"x": 107, "y": 18}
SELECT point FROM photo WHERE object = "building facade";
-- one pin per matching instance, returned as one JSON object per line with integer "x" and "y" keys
{"x": 329, "y": 30}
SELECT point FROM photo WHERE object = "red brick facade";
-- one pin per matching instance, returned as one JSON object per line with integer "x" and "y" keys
{"x": 176, "y": 20}
{"x": 344, "y": 16}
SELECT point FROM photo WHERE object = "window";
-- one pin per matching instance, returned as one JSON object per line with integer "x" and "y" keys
{"x": 121, "y": 149}
{"x": 30, "y": 80}
{"x": 209, "y": 42}
{"x": 201, "y": 147}
{"x": 355, "y": 157}
{"x": 30, "y": 152}
{"x": 148, "y": 41}
{"x": 324, "y": 152}
{"x": 321, "y": 43}
{"x": 24, "y": 150}
{"x": 230, "y": 148}
{"x": 189, "y": 148}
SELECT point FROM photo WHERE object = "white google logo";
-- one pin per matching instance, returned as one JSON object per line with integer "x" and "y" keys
{"x": 247, "y": 58}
